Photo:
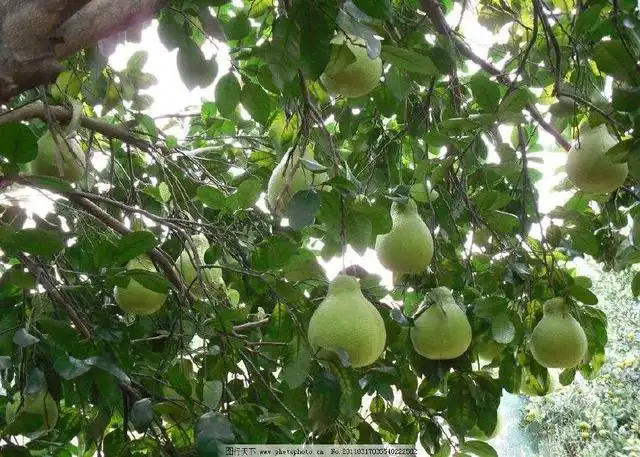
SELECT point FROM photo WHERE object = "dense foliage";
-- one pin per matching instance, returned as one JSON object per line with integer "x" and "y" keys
{"x": 599, "y": 417}
{"x": 233, "y": 365}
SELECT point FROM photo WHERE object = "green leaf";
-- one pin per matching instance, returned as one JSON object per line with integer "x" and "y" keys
{"x": 324, "y": 400}
{"x": 170, "y": 32}
{"x": 24, "y": 424}
{"x": 635, "y": 285}
{"x": 237, "y": 27}
{"x": 502, "y": 329}
{"x": 486, "y": 93}
{"x": 583, "y": 294}
{"x": 502, "y": 222}
{"x": 24, "y": 339}
{"x": 515, "y": 101}
{"x": 567, "y": 376}
{"x": 148, "y": 279}
{"x": 313, "y": 166}
{"x": 613, "y": 59}
{"x": 273, "y": 253}
{"x": 134, "y": 244}
{"x": 212, "y": 197}
{"x": 37, "y": 241}
{"x": 510, "y": 374}
{"x": 257, "y": 102}
{"x": 317, "y": 21}
{"x": 70, "y": 367}
{"x": 212, "y": 393}
{"x": 620, "y": 152}
{"x": 410, "y": 61}
{"x": 19, "y": 144}
{"x": 195, "y": 70}
{"x": 19, "y": 278}
{"x": 212, "y": 432}
{"x": 295, "y": 371}
{"x": 380, "y": 9}
{"x": 479, "y": 448}
{"x": 227, "y": 95}
{"x": 302, "y": 208}
{"x": 283, "y": 54}
{"x": 141, "y": 414}
{"x": 461, "y": 413}
{"x": 491, "y": 306}
{"x": 248, "y": 193}
{"x": 109, "y": 367}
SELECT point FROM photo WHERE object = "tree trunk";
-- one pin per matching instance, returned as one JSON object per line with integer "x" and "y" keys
{"x": 36, "y": 34}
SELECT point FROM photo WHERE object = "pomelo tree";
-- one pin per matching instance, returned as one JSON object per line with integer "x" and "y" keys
{"x": 460, "y": 134}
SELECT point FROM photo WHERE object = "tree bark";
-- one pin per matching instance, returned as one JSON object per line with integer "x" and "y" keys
{"x": 36, "y": 34}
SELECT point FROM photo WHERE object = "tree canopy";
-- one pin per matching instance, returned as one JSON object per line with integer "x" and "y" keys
{"x": 225, "y": 357}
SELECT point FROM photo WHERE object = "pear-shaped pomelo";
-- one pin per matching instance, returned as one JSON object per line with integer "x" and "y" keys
{"x": 408, "y": 247}
{"x": 135, "y": 298}
{"x": 72, "y": 158}
{"x": 558, "y": 341}
{"x": 587, "y": 165}
{"x": 346, "y": 76}
{"x": 442, "y": 331}
{"x": 211, "y": 278}
{"x": 289, "y": 177}
{"x": 346, "y": 320}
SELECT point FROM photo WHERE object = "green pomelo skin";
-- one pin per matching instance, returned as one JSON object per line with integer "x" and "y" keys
{"x": 558, "y": 341}
{"x": 442, "y": 331}
{"x": 211, "y": 277}
{"x": 587, "y": 165}
{"x": 346, "y": 320}
{"x": 72, "y": 157}
{"x": 289, "y": 177}
{"x": 355, "y": 79}
{"x": 136, "y": 299}
{"x": 40, "y": 403}
{"x": 408, "y": 247}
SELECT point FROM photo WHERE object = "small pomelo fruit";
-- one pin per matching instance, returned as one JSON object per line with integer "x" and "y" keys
{"x": 346, "y": 320}
{"x": 211, "y": 277}
{"x": 72, "y": 158}
{"x": 348, "y": 77}
{"x": 442, "y": 331}
{"x": 587, "y": 165}
{"x": 558, "y": 341}
{"x": 408, "y": 247}
{"x": 135, "y": 298}
{"x": 289, "y": 177}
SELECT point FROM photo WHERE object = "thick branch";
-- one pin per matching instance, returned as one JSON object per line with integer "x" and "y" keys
{"x": 36, "y": 34}
{"x": 156, "y": 255}
{"x": 101, "y": 19}
{"x": 432, "y": 8}
{"x": 63, "y": 115}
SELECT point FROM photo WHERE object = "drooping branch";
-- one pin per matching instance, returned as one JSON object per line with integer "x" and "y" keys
{"x": 37, "y": 110}
{"x": 36, "y": 34}
{"x": 52, "y": 289}
{"x": 432, "y": 8}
